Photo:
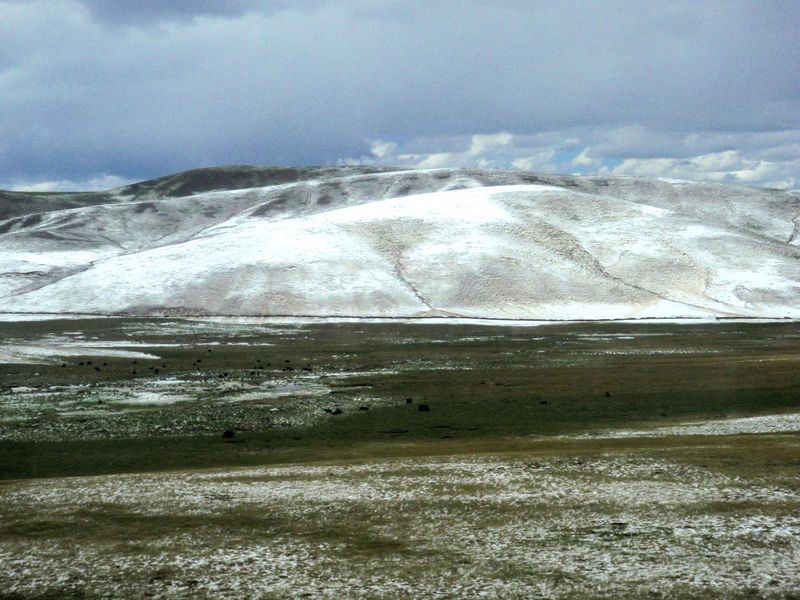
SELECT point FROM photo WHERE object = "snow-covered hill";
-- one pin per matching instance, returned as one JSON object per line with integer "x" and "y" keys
{"x": 361, "y": 241}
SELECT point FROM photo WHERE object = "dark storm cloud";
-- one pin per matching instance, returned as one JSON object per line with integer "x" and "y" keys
{"x": 140, "y": 88}
{"x": 143, "y": 12}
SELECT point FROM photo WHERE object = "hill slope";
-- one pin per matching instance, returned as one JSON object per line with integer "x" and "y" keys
{"x": 361, "y": 241}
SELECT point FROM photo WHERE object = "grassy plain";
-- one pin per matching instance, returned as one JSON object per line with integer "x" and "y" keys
{"x": 545, "y": 464}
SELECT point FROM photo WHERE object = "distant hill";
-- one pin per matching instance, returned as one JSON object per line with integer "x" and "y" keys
{"x": 371, "y": 241}
{"x": 186, "y": 183}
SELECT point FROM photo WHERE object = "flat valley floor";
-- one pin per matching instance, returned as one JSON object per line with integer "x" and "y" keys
{"x": 232, "y": 458}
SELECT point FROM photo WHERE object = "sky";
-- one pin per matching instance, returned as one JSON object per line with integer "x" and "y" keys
{"x": 99, "y": 93}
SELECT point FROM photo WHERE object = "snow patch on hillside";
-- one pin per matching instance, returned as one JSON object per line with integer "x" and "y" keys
{"x": 369, "y": 246}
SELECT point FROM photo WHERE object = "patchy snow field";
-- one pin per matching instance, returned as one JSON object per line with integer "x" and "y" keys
{"x": 53, "y": 352}
{"x": 180, "y": 365}
{"x": 70, "y": 412}
{"x": 12, "y": 317}
{"x": 510, "y": 527}
{"x": 566, "y": 461}
{"x": 789, "y": 423}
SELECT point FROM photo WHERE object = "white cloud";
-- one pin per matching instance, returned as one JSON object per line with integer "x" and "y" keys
{"x": 541, "y": 162}
{"x": 487, "y": 151}
{"x": 381, "y": 149}
{"x": 768, "y": 159}
{"x": 482, "y": 144}
{"x": 583, "y": 160}
{"x": 730, "y": 166}
{"x": 98, "y": 182}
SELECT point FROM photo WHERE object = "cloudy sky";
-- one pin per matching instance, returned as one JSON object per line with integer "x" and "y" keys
{"x": 96, "y": 93}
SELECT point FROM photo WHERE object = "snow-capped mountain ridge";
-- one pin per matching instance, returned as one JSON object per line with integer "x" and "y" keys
{"x": 475, "y": 243}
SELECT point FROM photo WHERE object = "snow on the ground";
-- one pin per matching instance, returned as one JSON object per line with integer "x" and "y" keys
{"x": 495, "y": 527}
{"x": 14, "y": 317}
{"x": 49, "y": 353}
{"x": 786, "y": 423}
{"x": 575, "y": 248}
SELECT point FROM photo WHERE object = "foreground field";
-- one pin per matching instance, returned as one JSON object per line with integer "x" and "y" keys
{"x": 580, "y": 460}
{"x": 709, "y": 519}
